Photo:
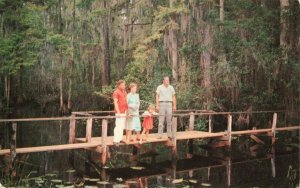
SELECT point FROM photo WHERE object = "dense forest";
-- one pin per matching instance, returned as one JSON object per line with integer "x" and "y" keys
{"x": 220, "y": 54}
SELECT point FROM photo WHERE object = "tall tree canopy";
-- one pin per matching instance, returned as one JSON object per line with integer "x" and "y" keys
{"x": 221, "y": 55}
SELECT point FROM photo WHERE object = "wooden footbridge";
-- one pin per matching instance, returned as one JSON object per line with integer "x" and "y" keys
{"x": 102, "y": 143}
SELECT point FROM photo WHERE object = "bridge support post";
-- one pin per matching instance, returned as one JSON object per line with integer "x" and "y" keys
{"x": 89, "y": 125}
{"x": 192, "y": 121}
{"x": 72, "y": 129}
{"x": 274, "y": 122}
{"x": 13, "y": 141}
{"x": 13, "y": 153}
{"x": 229, "y": 128}
{"x": 273, "y": 162}
{"x": 209, "y": 123}
{"x": 190, "y": 141}
{"x": 103, "y": 142}
{"x": 72, "y": 135}
{"x": 88, "y": 160}
{"x": 228, "y": 172}
{"x": 174, "y": 135}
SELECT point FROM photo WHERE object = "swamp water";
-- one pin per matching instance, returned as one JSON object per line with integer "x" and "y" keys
{"x": 276, "y": 166}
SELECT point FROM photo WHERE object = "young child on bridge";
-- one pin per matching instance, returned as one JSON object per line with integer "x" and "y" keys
{"x": 148, "y": 121}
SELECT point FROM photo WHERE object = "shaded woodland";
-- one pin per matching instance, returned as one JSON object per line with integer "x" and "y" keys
{"x": 221, "y": 55}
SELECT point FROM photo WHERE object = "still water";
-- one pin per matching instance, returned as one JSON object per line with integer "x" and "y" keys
{"x": 244, "y": 166}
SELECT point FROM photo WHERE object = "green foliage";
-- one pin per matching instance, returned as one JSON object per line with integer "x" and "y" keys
{"x": 248, "y": 66}
{"x": 21, "y": 46}
{"x": 59, "y": 41}
{"x": 99, "y": 12}
{"x": 84, "y": 4}
{"x": 165, "y": 12}
{"x": 201, "y": 124}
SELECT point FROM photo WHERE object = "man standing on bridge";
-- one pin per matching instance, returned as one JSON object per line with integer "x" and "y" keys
{"x": 165, "y": 104}
{"x": 121, "y": 106}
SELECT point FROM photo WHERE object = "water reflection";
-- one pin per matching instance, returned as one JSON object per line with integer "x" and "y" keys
{"x": 213, "y": 168}
{"x": 202, "y": 171}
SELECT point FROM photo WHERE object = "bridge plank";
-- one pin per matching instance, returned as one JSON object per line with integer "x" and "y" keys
{"x": 184, "y": 135}
{"x": 51, "y": 148}
{"x": 97, "y": 141}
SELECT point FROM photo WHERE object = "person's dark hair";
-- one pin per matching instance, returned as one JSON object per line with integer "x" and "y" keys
{"x": 120, "y": 82}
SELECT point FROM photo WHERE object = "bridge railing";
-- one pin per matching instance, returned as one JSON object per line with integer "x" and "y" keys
{"x": 90, "y": 116}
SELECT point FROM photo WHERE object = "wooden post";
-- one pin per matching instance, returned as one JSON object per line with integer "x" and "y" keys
{"x": 103, "y": 141}
{"x": 72, "y": 129}
{"x": 174, "y": 134}
{"x": 104, "y": 176}
{"x": 274, "y": 122}
{"x": 134, "y": 150}
{"x": 72, "y": 135}
{"x": 88, "y": 158}
{"x": 89, "y": 125}
{"x": 153, "y": 158}
{"x": 13, "y": 141}
{"x": 229, "y": 128}
{"x": 192, "y": 121}
{"x": 174, "y": 167}
{"x": 228, "y": 170}
{"x": 71, "y": 158}
{"x": 190, "y": 141}
{"x": 273, "y": 162}
{"x": 209, "y": 124}
{"x": 190, "y": 149}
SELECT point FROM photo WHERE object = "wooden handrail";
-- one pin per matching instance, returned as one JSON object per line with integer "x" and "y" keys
{"x": 113, "y": 117}
{"x": 184, "y": 110}
{"x": 111, "y": 111}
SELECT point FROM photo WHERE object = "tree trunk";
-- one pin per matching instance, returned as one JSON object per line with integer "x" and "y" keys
{"x": 7, "y": 90}
{"x": 20, "y": 86}
{"x": 205, "y": 57}
{"x": 60, "y": 60}
{"x": 60, "y": 22}
{"x": 125, "y": 40}
{"x": 104, "y": 60}
{"x": 283, "y": 38}
{"x": 184, "y": 33}
{"x": 284, "y": 6}
{"x": 173, "y": 53}
{"x": 222, "y": 10}
{"x": 173, "y": 46}
{"x": 61, "y": 80}
{"x": 205, "y": 60}
{"x": 71, "y": 62}
{"x": 93, "y": 72}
